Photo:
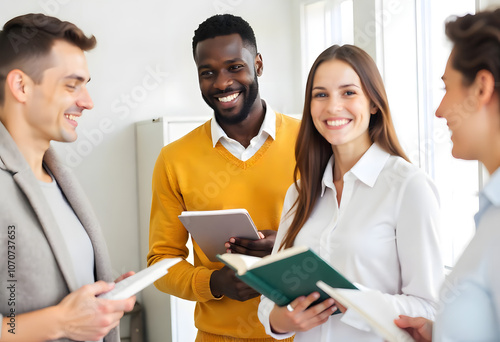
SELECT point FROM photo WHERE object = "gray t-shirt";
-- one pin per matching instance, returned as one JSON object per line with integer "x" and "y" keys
{"x": 75, "y": 236}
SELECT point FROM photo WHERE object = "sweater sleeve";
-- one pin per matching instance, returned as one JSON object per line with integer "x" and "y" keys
{"x": 168, "y": 238}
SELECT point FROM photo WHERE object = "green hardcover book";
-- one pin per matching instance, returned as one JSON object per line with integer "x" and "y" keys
{"x": 286, "y": 275}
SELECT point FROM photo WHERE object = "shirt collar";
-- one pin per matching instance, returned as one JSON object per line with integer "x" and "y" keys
{"x": 492, "y": 189}
{"x": 367, "y": 169}
{"x": 490, "y": 195}
{"x": 268, "y": 126}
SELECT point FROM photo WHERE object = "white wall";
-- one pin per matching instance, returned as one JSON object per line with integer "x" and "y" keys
{"x": 143, "y": 68}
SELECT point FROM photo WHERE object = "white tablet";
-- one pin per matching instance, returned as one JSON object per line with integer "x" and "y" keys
{"x": 212, "y": 228}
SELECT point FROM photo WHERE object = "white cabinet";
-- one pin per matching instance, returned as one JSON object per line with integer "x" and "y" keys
{"x": 168, "y": 318}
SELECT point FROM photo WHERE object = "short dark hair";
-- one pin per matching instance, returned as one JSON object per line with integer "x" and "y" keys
{"x": 223, "y": 25}
{"x": 28, "y": 38}
{"x": 476, "y": 40}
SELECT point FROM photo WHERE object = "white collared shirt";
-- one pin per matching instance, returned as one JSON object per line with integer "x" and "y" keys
{"x": 469, "y": 307}
{"x": 384, "y": 236}
{"x": 268, "y": 128}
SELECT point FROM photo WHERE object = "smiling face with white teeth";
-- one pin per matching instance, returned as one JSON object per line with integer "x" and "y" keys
{"x": 56, "y": 104}
{"x": 340, "y": 110}
{"x": 227, "y": 74}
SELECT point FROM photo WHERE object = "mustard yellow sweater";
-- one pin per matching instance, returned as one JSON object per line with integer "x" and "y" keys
{"x": 190, "y": 174}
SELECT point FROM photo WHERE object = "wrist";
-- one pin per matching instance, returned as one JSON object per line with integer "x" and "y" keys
{"x": 39, "y": 325}
{"x": 214, "y": 285}
{"x": 276, "y": 331}
{"x": 272, "y": 323}
{"x": 57, "y": 317}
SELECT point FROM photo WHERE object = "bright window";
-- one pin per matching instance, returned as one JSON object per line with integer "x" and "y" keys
{"x": 457, "y": 180}
{"x": 324, "y": 23}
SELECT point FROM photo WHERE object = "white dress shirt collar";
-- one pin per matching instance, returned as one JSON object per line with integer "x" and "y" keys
{"x": 268, "y": 127}
{"x": 367, "y": 169}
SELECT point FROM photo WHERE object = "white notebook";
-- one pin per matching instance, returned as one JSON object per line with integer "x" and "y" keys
{"x": 374, "y": 309}
{"x": 212, "y": 228}
{"x": 133, "y": 284}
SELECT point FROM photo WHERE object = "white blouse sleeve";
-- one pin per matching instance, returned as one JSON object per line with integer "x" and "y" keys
{"x": 420, "y": 259}
{"x": 266, "y": 305}
{"x": 417, "y": 238}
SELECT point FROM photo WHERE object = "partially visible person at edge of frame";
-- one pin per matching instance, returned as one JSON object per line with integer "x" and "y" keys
{"x": 469, "y": 307}
{"x": 49, "y": 230}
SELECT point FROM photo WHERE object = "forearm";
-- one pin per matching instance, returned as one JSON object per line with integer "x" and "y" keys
{"x": 183, "y": 279}
{"x": 264, "y": 312}
{"x": 167, "y": 235}
{"x": 39, "y": 325}
{"x": 187, "y": 282}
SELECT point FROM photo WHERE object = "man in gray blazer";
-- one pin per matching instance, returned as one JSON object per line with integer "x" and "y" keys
{"x": 53, "y": 258}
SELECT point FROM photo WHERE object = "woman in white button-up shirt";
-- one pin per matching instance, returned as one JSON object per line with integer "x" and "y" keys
{"x": 359, "y": 203}
{"x": 469, "y": 308}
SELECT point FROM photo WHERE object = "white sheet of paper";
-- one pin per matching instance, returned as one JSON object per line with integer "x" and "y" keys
{"x": 372, "y": 306}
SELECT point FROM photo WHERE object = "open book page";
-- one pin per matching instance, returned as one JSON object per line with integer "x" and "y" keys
{"x": 373, "y": 308}
{"x": 241, "y": 262}
{"x": 283, "y": 254}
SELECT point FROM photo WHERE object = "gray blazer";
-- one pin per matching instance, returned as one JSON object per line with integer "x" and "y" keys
{"x": 35, "y": 267}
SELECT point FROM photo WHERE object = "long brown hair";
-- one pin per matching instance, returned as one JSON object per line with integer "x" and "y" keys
{"x": 312, "y": 151}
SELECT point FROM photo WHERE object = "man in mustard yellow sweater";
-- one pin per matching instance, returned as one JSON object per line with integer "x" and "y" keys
{"x": 243, "y": 158}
